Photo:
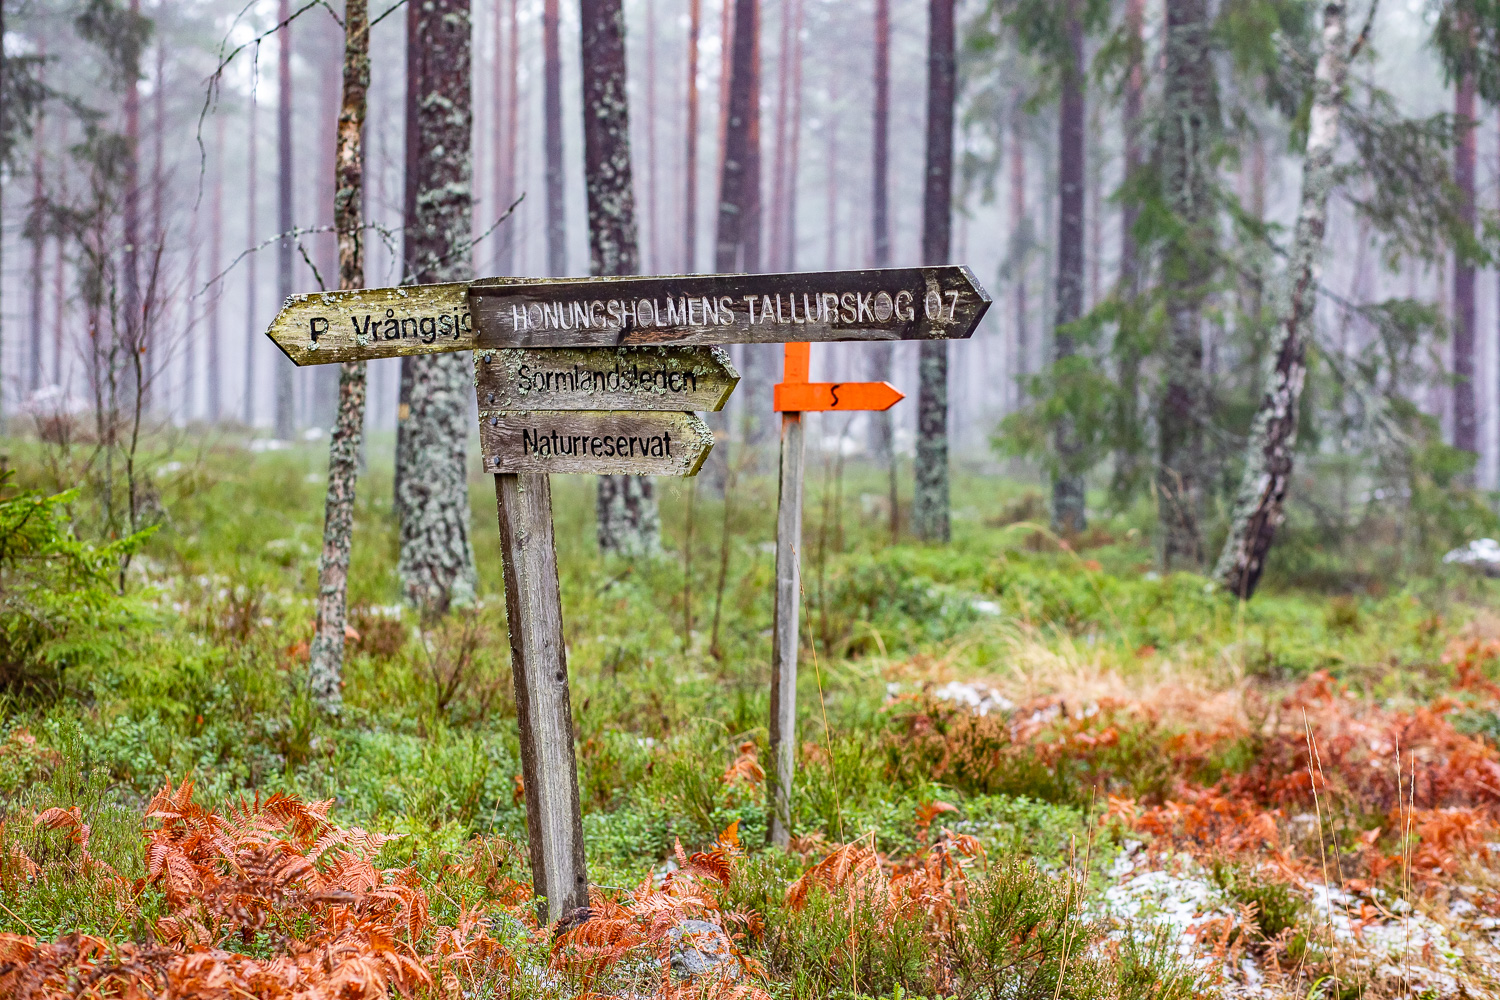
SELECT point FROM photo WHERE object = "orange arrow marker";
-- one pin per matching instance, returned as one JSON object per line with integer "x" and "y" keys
{"x": 807, "y": 397}
{"x": 795, "y": 394}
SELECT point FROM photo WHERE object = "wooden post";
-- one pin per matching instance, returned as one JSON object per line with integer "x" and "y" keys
{"x": 785, "y": 630}
{"x": 533, "y": 611}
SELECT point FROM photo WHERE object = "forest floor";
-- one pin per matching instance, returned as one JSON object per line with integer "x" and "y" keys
{"x": 1027, "y": 768}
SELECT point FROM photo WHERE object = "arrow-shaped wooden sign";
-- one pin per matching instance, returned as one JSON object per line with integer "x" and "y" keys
{"x": 604, "y": 378}
{"x": 593, "y": 442}
{"x": 918, "y": 303}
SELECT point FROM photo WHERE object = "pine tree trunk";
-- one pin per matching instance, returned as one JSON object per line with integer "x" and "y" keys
{"x": 690, "y": 156}
{"x": 1069, "y": 515}
{"x": 930, "y": 503}
{"x": 880, "y": 355}
{"x": 286, "y": 417}
{"x": 327, "y": 655}
{"x": 779, "y": 166}
{"x": 557, "y": 227}
{"x": 252, "y": 284}
{"x": 1465, "y": 409}
{"x": 130, "y": 253}
{"x": 1127, "y": 350}
{"x": 1019, "y": 233}
{"x": 626, "y": 505}
{"x": 1260, "y": 505}
{"x": 436, "y": 563}
{"x": 508, "y": 111}
{"x": 38, "y": 240}
{"x": 1189, "y": 124}
{"x": 155, "y": 362}
{"x": 788, "y": 249}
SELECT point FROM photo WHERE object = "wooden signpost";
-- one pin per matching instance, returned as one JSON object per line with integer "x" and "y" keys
{"x": 601, "y": 376}
{"x": 794, "y": 396}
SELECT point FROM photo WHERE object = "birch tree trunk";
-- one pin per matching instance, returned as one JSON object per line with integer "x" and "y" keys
{"x": 1260, "y": 505}
{"x": 1190, "y": 121}
{"x": 930, "y": 502}
{"x": 626, "y": 505}
{"x": 436, "y": 563}
{"x": 286, "y": 417}
{"x": 327, "y": 654}
{"x": 1069, "y": 515}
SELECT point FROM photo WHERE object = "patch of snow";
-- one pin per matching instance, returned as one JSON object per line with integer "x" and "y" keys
{"x": 979, "y": 699}
{"x": 1482, "y": 554}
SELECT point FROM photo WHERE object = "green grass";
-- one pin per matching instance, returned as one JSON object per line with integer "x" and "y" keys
{"x": 209, "y": 683}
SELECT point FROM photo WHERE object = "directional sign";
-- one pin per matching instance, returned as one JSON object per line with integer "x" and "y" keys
{"x": 807, "y": 397}
{"x": 795, "y": 394}
{"x": 330, "y": 327}
{"x": 604, "y": 378}
{"x": 593, "y": 442}
{"x": 922, "y": 303}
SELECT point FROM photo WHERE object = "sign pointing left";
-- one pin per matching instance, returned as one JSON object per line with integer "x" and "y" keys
{"x": 362, "y": 324}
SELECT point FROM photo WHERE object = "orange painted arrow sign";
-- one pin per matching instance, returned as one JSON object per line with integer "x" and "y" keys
{"x": 807, "y": 397}
{"x": 795, "y": 394}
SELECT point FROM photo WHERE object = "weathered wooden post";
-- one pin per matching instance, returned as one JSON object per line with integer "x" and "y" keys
{"x": 794, "y": 395}
{"x": 785, "y": 625}
{"x": 539, "y": 663}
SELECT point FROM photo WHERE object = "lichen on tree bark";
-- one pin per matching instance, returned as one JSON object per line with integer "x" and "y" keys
{"x": 626, "y": 508}
{"x": 436, "y": 563}
{"x": 1189, "y": 123}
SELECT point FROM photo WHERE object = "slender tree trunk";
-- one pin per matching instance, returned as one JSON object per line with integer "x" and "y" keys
{"x": 252, "y": 286}
{"x": 59, "y": 310}
{"x": 130, "y": 253}
{"x": 626, "y": 505}
{"x": 1465, "y": 409}
{"x": 1128, "y": 349}
{"x": 436, "y": 563}
{"x": 515, "y": 136}
{"x": 1069, "y": 515}
{"x": 286, "y": 416}
{"x": 154, "y": 363}
{"x": 215, "y": 374}
{"x": 38, "y": 239}
{"x": 1260, "y": 505}
{"x": 327, "y": 655}
{"x": 831, "y": 178}
{"x": 880, "y": 355}
{"x": 779, "y": 165}
{"x": 508, "y": 103}
{"x": 1189, "y": 123}
{"x": 737, "y": 246}
{"x": 653, "y": 206}
{"x": 690, "y": 156}
{"x": 930, "y": 504}
{"x": 1020, "y": 251}
{"x": 789, "y": 228}
{"x": 557, "y": 227}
